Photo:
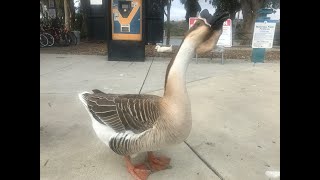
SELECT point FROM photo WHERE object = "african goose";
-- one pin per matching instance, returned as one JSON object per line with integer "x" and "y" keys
{"x": 134, "y": 123}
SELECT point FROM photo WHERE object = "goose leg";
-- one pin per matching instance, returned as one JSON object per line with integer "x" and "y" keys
{"x": 158, "y": 163}
{"x": 139, "y": 172}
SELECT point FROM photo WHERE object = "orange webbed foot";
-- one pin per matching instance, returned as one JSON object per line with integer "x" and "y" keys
{"x": 158, "y": 163}
{"x": 139, "y": 172}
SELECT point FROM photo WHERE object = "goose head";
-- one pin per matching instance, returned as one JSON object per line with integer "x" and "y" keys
{"x": 157, "y": 47}
{"x": 207, "y": 30}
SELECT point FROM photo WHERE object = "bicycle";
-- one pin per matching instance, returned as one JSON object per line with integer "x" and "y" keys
{"x": 48, "y": 36}
{"x": 63, "y": 36}
{"x": 58, "y": 35}
{"x": 43, "y": 40}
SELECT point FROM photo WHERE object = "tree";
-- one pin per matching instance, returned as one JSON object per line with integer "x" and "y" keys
{"x": 232, "y": 6}
{"x": 250, "y": 13}
{"x": 60, "y": 9}
{"x": 167, "y": 3}
{"x": 72, "y": 14}
{"x": 192, "y": 8}
{"x": 43, "y": 14}
{"x": 65, "y": 11}
{"x": 84, "y": 5}
{"x": 67, "y": 14}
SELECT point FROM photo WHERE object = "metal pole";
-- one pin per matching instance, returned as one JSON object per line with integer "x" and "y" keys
{"x": 196, "y": 58}
{"x": 222, "y": 57}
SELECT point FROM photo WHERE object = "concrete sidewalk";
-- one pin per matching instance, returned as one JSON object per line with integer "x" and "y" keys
{"x": 235, "y": 106}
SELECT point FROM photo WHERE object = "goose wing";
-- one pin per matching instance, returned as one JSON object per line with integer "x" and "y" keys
{"x": 134, "y": 112}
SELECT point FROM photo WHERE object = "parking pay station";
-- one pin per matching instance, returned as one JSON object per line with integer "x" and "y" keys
{"x": 131, "y": 24}
{"x": 126, "y": 20}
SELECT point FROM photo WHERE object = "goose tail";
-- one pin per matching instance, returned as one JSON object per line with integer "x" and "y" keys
{"x": 82, "y": 97}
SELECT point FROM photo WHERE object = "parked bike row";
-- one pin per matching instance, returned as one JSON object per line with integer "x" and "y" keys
{"x": 50, "y": 36}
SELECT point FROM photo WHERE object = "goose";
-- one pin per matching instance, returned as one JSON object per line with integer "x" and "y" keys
{"x": 134, "y": 123}
{"x": 163, "y": 48}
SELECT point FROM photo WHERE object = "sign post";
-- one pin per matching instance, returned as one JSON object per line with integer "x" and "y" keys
{"x": 225, "y": 39}
{"x": 263, "y": 35}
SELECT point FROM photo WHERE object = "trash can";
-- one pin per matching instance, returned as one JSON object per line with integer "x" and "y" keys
{"x": 77, "y": 34}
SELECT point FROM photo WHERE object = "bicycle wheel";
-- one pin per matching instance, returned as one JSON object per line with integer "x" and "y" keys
{"x": 43, "y": 40}
{"x": 66, "y": 38}
{"x": 50, "y": 39}
{"x": 73, "y": 38}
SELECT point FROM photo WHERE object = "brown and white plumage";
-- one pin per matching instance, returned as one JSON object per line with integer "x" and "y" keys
{"x": 133, "y": 123}
{"x": 129, "y": 117}
{"x": 136, "y": 123}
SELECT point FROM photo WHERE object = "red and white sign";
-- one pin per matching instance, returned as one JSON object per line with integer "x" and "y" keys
{"x": 226, "y": 36}
{"x": 192, "y": 20}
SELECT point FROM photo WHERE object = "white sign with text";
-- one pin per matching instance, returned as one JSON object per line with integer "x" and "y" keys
{"x": 95, "y": 2}
{"x": 263, "y": 34}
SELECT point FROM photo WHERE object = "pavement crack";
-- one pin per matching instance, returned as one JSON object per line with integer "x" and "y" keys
{"x": 205, "y": 162}
{"x": 115, "y": 63}
{"x": 130, "y": 64}
{"x": 199, "y": 79}
{"x": 46, "y": 162}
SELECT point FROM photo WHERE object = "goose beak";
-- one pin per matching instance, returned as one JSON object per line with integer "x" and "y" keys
{"x": 216, "y": 21}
